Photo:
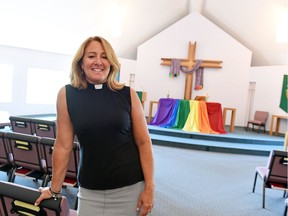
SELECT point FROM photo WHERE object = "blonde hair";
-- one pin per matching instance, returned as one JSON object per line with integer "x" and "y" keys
{"x": 77, "y": 77}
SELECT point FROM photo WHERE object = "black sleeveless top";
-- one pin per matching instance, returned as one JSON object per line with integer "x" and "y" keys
{"x": 109, "y": 157}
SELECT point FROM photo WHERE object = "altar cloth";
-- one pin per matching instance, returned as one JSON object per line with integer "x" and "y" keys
{"x": 189, "y": 115}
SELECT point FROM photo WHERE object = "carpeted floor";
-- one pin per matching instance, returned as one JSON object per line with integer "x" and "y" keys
{"x": 200, "y": 183}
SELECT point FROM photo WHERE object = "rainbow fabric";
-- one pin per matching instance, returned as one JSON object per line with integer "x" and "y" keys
{"x": 189, "y": 115}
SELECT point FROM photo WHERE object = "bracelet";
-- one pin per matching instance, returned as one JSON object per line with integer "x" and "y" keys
{"x": 55, "y": 195}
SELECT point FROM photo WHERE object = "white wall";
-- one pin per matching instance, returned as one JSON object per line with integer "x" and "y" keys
{"x": 268, "y": 91}
{"x": 21, "y": 59}
{"x": 127, "y": 67}
{"x": 228, "y": 86}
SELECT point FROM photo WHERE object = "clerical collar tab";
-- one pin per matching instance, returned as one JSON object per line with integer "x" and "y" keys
{"x": 98, "y": 86}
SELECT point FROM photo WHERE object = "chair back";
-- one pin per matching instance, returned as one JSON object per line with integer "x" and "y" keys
{"x": 278, "y": 170}
{"x": 19, "y": 200}
{"x": 261, "y": 116}
{"x": 5, "y": 155}
{"x": 21, "y": 125}
{"x": 47, "y": 144}
{"x": 44, "y": 128}
{"x": 3, "y": 149}
{"x": 27, "y": 160}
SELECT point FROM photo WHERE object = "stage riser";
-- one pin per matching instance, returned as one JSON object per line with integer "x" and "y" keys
{"x": 211, "y": 148}
{"x": 217, "y": 138}
{"x": 238, "y": 142}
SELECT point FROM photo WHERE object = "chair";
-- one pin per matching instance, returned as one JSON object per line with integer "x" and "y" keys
{"x": 19, "y": 200}
{"x": 274, "y": 175}
{"x": 47, "y": 145}
{"x": 21, "y": 125}
{"x": 260, "y": 118}
{"x": 70, "y": 180}
{"x": 27, "y": 161}
{"x": 5, "y": 157}
{"x": 44, "y": 128}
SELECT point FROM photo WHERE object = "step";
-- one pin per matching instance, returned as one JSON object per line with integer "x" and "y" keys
{"x": 230, "y": 143}
{"x": 244, "y": 137}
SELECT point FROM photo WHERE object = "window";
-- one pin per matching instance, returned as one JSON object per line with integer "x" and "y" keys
{"x": 6, "y": 79}
{"x": 43, "y": 85}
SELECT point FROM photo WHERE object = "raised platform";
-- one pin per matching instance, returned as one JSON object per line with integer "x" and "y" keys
{"x": 238, "y": 142}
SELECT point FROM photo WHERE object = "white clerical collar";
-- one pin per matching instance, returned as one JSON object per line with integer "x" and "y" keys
{"x": 98, "y": 86}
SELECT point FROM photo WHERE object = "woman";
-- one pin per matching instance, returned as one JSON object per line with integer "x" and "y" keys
{"x": 116, "y": 168}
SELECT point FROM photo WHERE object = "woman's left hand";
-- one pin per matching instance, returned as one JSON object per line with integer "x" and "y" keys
{"x": 45, "y": 194}
{"x": 146, "y": 202}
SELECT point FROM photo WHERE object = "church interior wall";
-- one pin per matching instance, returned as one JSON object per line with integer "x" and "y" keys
{"x": 268, "y": 88}
{"x": 228, "y": 85}
{"x": 22, "y": 59}
{"x": 225, "y": 85}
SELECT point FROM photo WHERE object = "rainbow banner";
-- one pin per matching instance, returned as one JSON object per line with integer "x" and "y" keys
{"x": 189, "y": 115}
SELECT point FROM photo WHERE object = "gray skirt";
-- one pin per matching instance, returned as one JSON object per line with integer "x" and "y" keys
{"x": 114, "y": 202}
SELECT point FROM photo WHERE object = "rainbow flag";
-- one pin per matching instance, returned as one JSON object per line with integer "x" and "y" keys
{"x": 189, "y": 115}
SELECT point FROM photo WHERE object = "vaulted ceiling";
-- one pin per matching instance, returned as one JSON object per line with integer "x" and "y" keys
{"x": 60, "y": 26}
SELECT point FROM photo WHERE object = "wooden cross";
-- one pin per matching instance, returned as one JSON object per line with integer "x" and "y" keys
{"x": 189, "y": 64}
